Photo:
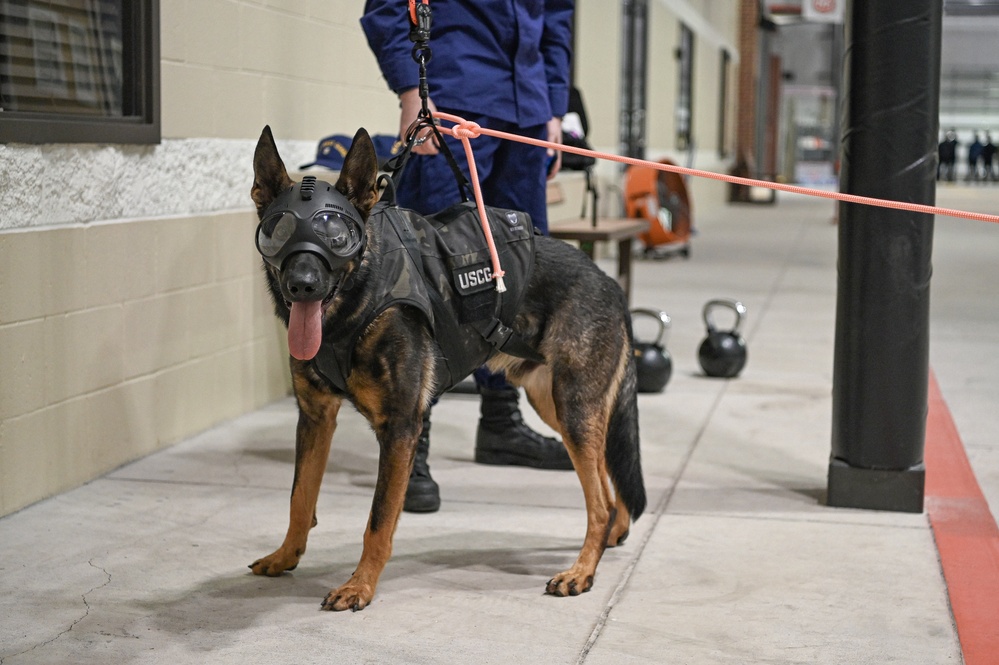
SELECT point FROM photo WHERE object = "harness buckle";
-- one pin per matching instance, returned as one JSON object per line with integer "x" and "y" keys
{"x": 496, "y": 333}
{"x": 503, "y": 338}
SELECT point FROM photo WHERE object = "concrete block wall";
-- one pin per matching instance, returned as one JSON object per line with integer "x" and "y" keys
{"x": 303, "y": 66}
{"x": 119, "y": 338}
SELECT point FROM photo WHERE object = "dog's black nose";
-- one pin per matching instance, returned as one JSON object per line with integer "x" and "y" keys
{"x": 303, "y": 287}
{"x": 305, "y": 277}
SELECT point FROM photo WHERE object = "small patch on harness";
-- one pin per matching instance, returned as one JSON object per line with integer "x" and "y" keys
{"x": 473, "y": 279}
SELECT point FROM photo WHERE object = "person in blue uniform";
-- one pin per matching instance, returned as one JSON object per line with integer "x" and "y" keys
{"x": 503, "y": 64}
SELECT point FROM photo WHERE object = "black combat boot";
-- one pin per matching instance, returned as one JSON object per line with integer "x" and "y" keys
{"x": 504, "y": 437}
{"x": 422, "y": 493}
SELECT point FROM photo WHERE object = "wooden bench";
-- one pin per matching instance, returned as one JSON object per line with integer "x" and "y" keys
{"x": 577, "y": 191}
{"x": 587, "y": 234}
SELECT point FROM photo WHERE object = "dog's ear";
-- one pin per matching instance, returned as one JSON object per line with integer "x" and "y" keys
{"x": 270, "y": 177}
{"x": 359, "y": 175}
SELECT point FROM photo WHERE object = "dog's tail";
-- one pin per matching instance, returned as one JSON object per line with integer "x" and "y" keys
{"x": 624, "y": 461}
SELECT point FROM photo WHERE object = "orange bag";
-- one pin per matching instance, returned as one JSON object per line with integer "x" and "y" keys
{"x": 661, "y": 198}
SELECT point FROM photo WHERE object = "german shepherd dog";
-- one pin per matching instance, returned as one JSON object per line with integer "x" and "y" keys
{"x": 572, "y": 314}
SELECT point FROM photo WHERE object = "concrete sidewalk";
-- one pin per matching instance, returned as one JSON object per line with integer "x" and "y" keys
{"x": 737, "y": 559}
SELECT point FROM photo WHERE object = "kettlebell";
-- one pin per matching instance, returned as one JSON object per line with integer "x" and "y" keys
{"x": 654, "y": 364}
{"x": 723, "y": 352}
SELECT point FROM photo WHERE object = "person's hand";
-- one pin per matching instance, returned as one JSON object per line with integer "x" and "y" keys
{"x": 411, "y": 104}
{"x": 555, "y": 136}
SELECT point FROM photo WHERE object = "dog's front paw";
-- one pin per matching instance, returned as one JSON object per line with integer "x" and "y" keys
{"x": 569, "y": 583}
{"x": 274, "y": 564}
{"x": 353, "y": 595}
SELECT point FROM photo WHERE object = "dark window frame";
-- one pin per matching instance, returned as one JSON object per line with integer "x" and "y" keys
{"x": 141, "y": 92}
{"x": 634, "y": 75}
{"x": 685, "y": 90}
{"x": 723, "y": 133}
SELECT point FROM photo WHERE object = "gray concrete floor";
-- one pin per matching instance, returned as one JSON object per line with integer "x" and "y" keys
{"x": 737, "y": 560}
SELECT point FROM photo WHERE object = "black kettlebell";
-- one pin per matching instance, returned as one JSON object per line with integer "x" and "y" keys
{"x": 654, "y": 364}
{"x": 723, "y": 352}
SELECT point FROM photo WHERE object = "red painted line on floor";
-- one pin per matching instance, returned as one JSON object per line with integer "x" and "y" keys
{"x": 966, "y": 535}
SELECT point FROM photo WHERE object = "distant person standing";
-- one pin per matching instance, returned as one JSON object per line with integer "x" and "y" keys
{"x": 974, "y": 157}
{"x": 947, "y": 152}
{"x": 988, "y": 154}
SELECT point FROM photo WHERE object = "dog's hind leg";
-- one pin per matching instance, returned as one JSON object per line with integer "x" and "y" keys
{"x": 317, "y": 412}
{"x": 585, "y": 395}
{"x": 581, "y": 413}
{"x": 584, "y": 441}
{"x": 537, "y": 384}
{"x": 623, "y": 464}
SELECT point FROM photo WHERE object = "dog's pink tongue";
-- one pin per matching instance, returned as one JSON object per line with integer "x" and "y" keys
{"x": 305, "y": 329}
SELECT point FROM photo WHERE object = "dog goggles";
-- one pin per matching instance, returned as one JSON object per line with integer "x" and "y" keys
{"x": 311, "y": 216}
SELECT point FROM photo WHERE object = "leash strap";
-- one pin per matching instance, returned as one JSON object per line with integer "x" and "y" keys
{"x": 421, "y": 20}
{"x": 397, "y": 165}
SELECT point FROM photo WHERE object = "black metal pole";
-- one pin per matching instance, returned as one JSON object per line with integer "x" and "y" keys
{"x": 881, "y": 364}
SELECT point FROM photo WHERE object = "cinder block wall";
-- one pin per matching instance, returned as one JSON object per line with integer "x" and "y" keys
{"x": 133, "y": 312}
{"x": 118, "y": 338}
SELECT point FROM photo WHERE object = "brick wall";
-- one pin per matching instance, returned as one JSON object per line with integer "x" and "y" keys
{"x": 745, "y": 133}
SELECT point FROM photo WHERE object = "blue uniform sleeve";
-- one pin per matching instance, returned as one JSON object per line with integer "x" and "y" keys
{"x": 386, "y": 27}
{"x": 556, "y": 49}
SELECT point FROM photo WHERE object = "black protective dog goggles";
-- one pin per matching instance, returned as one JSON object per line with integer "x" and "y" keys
{"x": 312, "y": 216}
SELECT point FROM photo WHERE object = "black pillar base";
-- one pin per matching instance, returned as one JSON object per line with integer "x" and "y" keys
{"x": 876, "y": 489}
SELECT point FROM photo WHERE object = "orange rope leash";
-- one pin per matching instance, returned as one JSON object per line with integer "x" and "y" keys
{"x": 466, "y": 129}
{"x": 463, "y": 134}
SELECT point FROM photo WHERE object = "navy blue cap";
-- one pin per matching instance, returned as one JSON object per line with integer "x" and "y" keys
{"x": 331, "y": 152}
{"x": 386, "y": 146}
{"x": 333, "y": 149}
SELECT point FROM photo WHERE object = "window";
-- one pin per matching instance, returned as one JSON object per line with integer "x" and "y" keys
{"x": 685, "y": 97}
{"x": 635, "y": 14}
{"x": 726, "y": 62}
{"x": 79, "y": 71}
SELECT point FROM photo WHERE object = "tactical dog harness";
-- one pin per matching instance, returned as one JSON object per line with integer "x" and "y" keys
{"x": 440, "y": 265}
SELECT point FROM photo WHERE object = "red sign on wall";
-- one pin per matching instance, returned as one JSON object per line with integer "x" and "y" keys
{"x": 825, "y": 11}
